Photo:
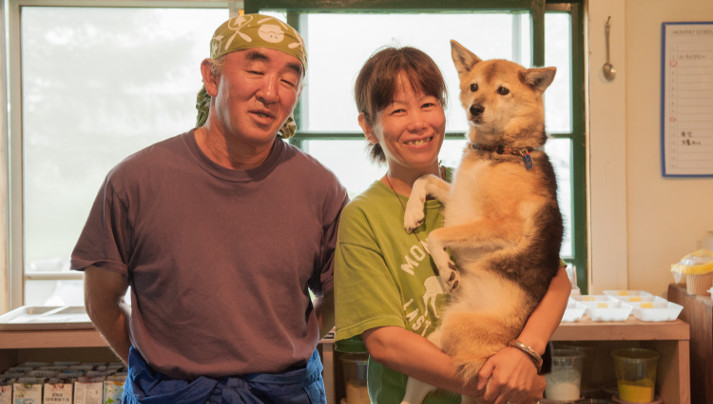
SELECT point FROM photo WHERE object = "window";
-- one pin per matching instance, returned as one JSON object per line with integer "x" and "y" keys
{"x": 339, "y": 39}
{"x": 91, "y": 82}
{"x": 95, "y": 84}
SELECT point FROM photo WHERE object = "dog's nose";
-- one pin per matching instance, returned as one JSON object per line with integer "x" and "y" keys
{"x": 476, "y": 109}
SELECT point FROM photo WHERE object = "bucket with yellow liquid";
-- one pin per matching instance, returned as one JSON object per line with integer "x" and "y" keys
{"x": 635, "y": 374}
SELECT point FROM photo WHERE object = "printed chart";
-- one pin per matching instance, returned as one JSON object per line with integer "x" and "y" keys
{"x": 687, "y": 99}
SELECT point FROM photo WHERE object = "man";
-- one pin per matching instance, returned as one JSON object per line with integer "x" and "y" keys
{"x": 221, "y": 233}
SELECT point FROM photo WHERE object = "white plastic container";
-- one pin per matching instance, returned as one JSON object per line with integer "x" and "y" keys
{"x": 641, "y": 299}
{"x": 623, "y": 293}
{"x": 564, "y": 380}
{"x": 655, "y": 311}
{"x": 573, "y": 312}
{"x": 354, "y": 367}
{"x": 609, "y": 312}
{"x": 602, "y": 301}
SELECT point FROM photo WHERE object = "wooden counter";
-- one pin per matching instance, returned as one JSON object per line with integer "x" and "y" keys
{"x": 670, "y": 339}
{"x": 698, "y": 312}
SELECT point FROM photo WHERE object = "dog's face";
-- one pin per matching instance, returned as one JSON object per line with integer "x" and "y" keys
{"x": 503, "y": 100}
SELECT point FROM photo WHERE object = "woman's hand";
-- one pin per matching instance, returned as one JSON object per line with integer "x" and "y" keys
{"x": 510, "y": 376}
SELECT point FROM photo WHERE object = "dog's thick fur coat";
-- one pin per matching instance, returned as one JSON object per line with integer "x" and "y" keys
{"x": 503, "y": 225}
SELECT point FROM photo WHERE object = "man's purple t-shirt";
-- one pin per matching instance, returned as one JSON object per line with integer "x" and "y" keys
{"x": 219, "y": 261}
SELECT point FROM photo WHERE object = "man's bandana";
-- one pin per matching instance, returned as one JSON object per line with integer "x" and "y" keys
{"x": 254, "y": 31}
{"x": 257, "y": 31}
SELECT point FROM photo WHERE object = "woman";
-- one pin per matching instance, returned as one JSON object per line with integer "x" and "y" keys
{"x": 385, "y": 287}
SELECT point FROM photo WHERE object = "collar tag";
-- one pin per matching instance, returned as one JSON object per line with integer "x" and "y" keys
{"x": 526, "y": 159}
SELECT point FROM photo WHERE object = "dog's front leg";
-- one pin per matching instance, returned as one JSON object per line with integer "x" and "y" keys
{"x": 422, "y": 187}
{"x": 446, "y": 267}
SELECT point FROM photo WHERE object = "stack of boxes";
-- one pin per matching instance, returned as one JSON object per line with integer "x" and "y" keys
{"x": 63, "y": 383}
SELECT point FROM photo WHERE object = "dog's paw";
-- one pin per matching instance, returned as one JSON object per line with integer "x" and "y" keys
{"x": 447, "y": 270}
{"x": 412, "y": 220}
{"x": 453, "y": 277}
{"x": 413, "y": 216}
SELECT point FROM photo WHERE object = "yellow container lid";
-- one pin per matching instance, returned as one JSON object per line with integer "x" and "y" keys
{"x": 699, "y": 262}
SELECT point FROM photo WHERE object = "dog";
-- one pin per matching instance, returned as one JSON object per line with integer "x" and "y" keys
{"x": 502, "y": 222}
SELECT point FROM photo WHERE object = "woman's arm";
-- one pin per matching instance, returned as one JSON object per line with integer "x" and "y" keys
{"x": 547, "y": 316}
{"x": 411, "y": 354}
{"x": 510, "y": 373}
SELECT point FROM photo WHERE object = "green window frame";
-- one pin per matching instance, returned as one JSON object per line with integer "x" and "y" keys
{"x": 537, "y": 10}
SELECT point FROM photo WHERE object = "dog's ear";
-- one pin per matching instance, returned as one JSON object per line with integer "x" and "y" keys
{"x": 538, "y": 78}
{"x": 462, "y": 58}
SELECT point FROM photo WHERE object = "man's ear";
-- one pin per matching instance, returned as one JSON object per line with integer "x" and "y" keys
{"x": 209, "y": 81}
{"x": 367, "y": 129}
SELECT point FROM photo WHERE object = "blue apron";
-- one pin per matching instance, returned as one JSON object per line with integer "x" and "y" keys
{"x": 299, "y": 386}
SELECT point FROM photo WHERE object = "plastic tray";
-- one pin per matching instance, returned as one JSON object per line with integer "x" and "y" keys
{"x": 573, "y": 312}
{"x": 640, "y": 299}
{"x": 601, "y": 301}
{"x": 45, "y": 318}
{"x": 620, "y": 293}
{"x": 620, "y": 313}
{"x": 655, "y": 311}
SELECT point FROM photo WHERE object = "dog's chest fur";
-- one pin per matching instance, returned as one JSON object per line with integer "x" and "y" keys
{"x": 484, "y": 186}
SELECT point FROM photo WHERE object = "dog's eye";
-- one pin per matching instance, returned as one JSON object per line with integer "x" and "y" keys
{"x": 474, "y": 87}
{"x": 503, "y": 91}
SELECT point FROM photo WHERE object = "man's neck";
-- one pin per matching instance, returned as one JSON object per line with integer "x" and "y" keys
{"x": 231, "y": 154}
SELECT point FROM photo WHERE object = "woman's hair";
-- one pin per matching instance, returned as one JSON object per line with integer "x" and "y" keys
{"x": 378, "y": 81}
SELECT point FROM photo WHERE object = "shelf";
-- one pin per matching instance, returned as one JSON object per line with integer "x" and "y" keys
{"x": 632, "y": 329}
{"x": 86, "y": 338}
{"x": 670, "y": 339}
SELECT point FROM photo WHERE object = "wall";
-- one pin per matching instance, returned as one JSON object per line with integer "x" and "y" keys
{"x": 664, "y": 218}
{"x": 4, "y": 275}
{"x": 678, "y": 211}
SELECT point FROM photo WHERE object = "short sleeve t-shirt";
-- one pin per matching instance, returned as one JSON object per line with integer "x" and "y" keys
{"x": 220, "y": 262}
{"x": 384, "y": 277}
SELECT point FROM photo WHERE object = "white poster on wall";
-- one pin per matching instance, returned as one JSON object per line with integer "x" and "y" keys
{"x": 687, "y": 99}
